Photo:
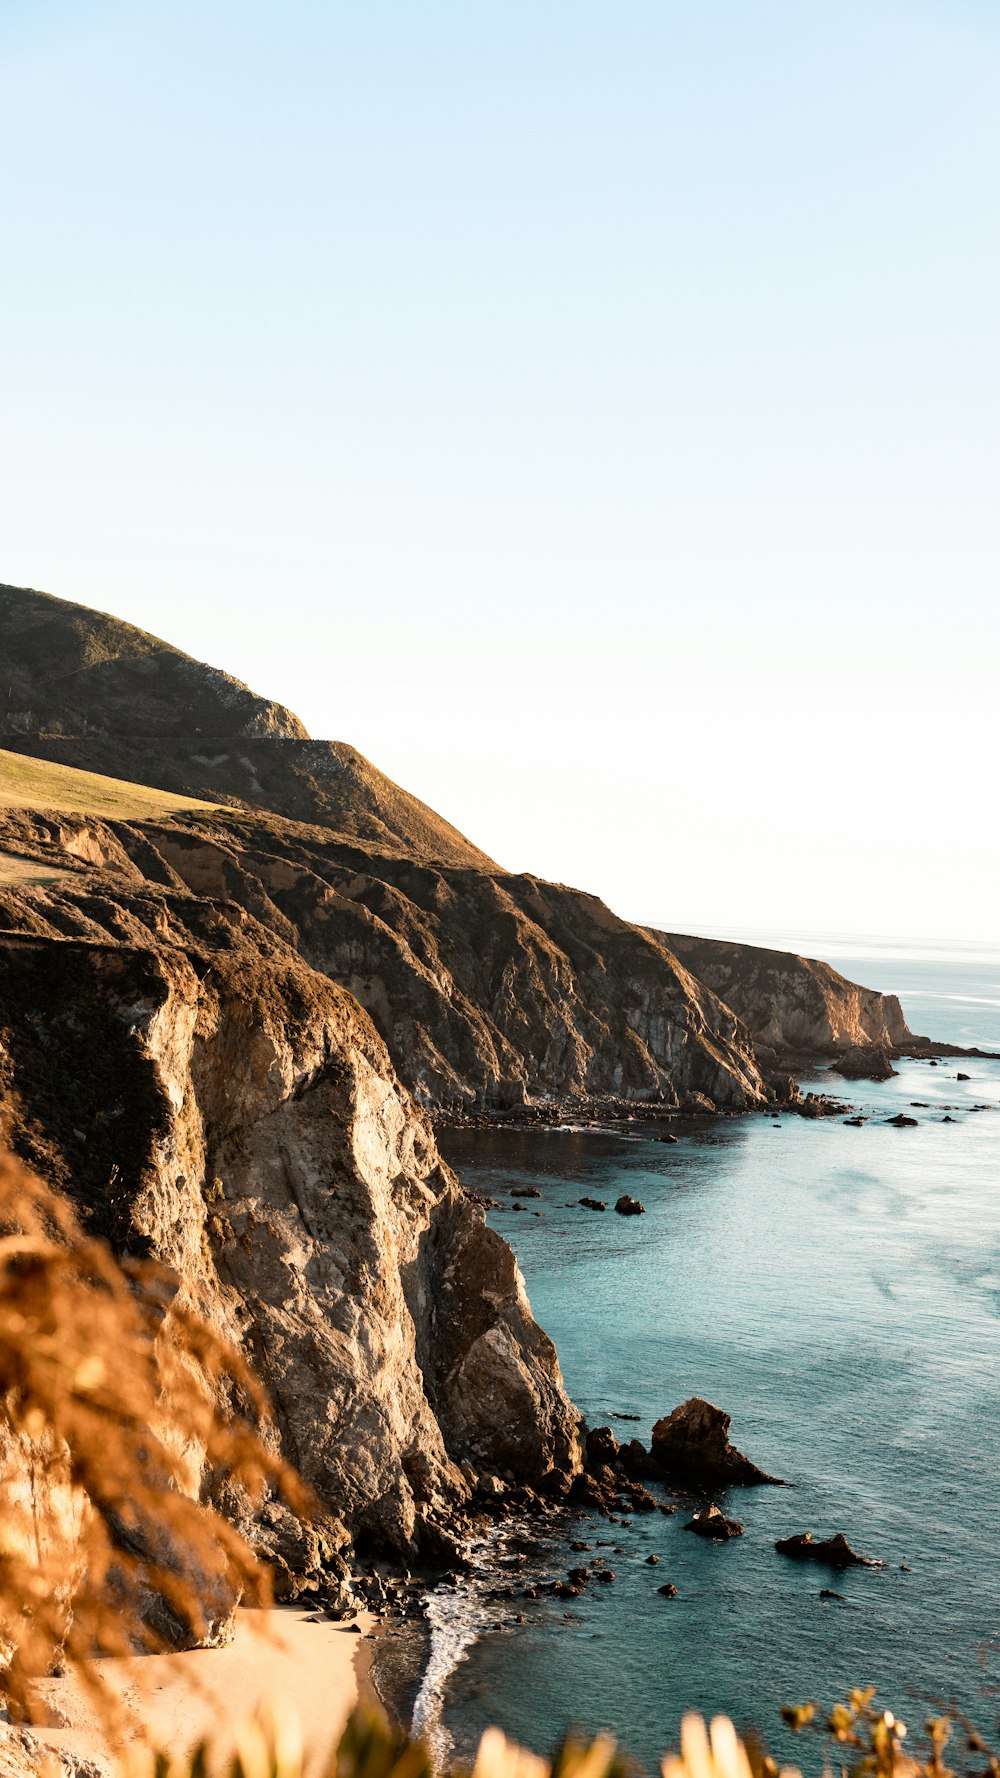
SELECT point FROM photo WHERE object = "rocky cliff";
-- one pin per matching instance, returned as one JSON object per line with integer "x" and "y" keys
{"x": 207, "y": 1097}
{"x": 216, "y": 1026}
{"x": 795, "y": 1008}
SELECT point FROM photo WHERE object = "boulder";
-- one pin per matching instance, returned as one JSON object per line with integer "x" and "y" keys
{"x": 639, "y": 1464}
{"x": 865, "y": 1062}
{"x": 834, "y": 1551}
{"x": 963, "y": 1077}
{"x": 602, "y": 1450}
{"x": 592, "y": 1204}
{"x": 628, "y": 1206}
{"x": 525, "y": 1191}
{"x": 902, "y": 1122}
{"x": 698, "y": 1102}
{"x": 668, "y": 1591}
{"x": 692, "y": 1446}
{"x": 711, "y": 1522}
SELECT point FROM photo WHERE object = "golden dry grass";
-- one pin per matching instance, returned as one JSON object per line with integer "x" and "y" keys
{"x": 14, "y": 869}
{"x": 111, "y": 1406}
{"x": 27, "y": 783}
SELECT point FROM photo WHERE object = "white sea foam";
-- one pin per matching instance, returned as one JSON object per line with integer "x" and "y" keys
{"x": 456, "y": 1618}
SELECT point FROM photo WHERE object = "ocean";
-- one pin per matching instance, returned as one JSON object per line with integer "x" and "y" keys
{"x": 837, "y": 1291}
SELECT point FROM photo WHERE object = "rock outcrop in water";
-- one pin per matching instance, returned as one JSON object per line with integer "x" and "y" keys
{"x": 691, "y": 1446}
{"x": 711, "y": 1522}
{"x": 833, "y": 1552}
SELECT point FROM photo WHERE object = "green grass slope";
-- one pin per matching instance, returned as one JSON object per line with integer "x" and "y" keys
{"x": 39, "y": 784}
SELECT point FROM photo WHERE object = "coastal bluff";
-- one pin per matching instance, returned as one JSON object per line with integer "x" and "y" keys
{"x": 227, "y": 1024}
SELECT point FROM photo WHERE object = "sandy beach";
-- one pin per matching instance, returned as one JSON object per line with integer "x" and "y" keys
{"x": 283, "y": 1657}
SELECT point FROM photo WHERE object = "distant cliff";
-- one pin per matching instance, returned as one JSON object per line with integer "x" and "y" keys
{"x": 794, "y": 1007}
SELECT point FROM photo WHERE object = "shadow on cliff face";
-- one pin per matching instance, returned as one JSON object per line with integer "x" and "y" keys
{"x": 208, "y": 1098}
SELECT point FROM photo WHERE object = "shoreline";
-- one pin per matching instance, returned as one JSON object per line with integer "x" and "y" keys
{"x": 286, "y": 1657}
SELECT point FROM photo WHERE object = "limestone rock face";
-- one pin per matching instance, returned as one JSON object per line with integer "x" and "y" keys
{"x": 490, "y": 989}
{"x": 793, "y": 1006}
{"x": 692, "y": 1446}
{"x": 209, "y": 1098}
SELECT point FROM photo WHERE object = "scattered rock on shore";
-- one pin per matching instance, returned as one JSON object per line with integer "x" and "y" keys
{"x": 691, "y": 1445}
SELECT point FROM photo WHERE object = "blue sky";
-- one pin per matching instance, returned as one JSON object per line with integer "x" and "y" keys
{"x": 589, "y": 411}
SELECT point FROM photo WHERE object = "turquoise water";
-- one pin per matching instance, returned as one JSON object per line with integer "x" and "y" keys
{"x": 837, "y": 1290}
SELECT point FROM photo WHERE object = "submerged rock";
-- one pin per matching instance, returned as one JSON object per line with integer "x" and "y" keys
{"x": 834, "y": 1551}
{"x": 902, "y": 1122}
{"x": 692, "y": 1446}
{"x": 711, "y": 1522}
{"x": 593, "y": 1204}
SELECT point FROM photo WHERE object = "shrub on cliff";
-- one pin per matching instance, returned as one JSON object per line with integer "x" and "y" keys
{"x": 111, "y": 1411}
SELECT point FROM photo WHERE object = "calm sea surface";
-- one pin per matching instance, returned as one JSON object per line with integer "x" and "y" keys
{"x": 837, "y": 1290}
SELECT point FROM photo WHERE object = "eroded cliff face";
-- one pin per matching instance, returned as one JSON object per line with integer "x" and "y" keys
{"x": 490, "y": 990}
{"x": 794, "y": 1007}
{"x": 206, "y": 1096}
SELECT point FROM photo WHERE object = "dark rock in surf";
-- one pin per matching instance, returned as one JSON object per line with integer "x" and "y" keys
{"x": 592, "y": 1204}
{"x": 628, "y": 1206}
{"x": 638, "y": 1463}
{"x": 602, "y": 1449}
{"x": 691, "y": 1446}
{"x": 834, "y": 1551}
{"x": 711, "y": 1522}
{"x": 865, "y": 1062}
{"x": 902, "y": 1122}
